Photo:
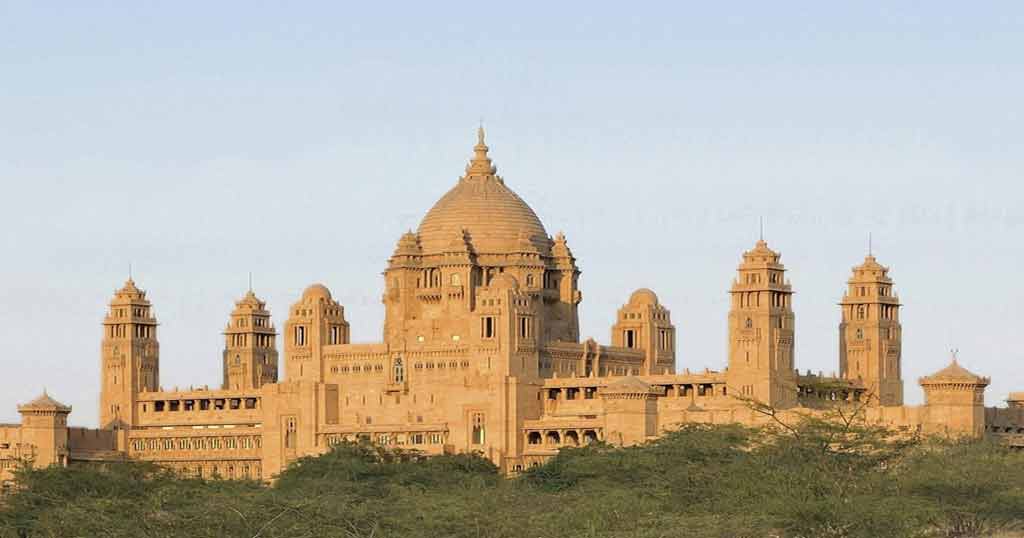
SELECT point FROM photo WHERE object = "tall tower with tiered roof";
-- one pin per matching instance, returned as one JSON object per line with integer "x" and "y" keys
{"x": 130, "y": 356}
{"x": 761, "y": 366}
{"x": 870, "y": 334}
{"x": 250, "y": 354}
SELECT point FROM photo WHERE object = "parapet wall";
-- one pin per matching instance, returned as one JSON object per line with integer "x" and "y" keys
{"x": 90, "y": 439}
{"x": 1004, "y": 419}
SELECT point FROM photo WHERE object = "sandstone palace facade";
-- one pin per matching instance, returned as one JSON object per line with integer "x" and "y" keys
{"x": 482, "y": 352}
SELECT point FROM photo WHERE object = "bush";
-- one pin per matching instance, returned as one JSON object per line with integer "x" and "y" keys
{"x": 699, "y": 481}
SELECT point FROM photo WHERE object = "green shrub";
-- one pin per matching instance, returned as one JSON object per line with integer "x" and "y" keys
{"x": 720, "y": 481}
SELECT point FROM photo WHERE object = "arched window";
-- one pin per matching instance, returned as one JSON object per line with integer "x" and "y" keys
{"x": 750, "y": 323}
{"x": 456, "y": 280}
{"x": 479, "y": 434}
{"x": 399, "y": 369}
{"x": 291, "y": 429}
{"x": 860, "y": 312}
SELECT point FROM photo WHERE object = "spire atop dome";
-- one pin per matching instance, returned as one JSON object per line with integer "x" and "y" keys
{"x": 480, "y": 164}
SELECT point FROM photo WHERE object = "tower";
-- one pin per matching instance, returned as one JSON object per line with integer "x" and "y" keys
{"x": 644, "y": 324}
{"x": 954, "y": 401}
{"x": 870, "y": 333}
{"x": 250, "y": 354}
{"x": 315, "y": 321}
{"x": 44, "y": 425}
{"x": 130, "y": 356}
{"x": 761, "y": 330}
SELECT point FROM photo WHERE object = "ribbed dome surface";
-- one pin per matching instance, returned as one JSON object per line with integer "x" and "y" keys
{"x": 496, "y": 218}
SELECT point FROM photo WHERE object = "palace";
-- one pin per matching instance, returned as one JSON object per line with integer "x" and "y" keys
{"x": 481, "y": 352}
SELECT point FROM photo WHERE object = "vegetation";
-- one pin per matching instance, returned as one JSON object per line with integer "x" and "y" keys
{"x": 815, "y": 480}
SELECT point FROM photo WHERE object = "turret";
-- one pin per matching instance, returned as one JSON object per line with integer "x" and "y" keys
{"x": 761, "y": 364}
{"x": 315, "y": 321}
{"x": 563, "y": 282}
{"x": 954, "y": 401}
{"x": 644, "y": 324}
{"x": 250, "y": 353}
{"x": 870, "y": 334}
{"x": 44, "y": 425}
{"x": 130, "y": 357}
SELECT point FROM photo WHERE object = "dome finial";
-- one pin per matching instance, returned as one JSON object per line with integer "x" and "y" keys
{"x": 480, "y": 165}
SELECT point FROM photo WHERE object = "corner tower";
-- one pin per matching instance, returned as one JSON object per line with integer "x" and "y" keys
{"x": 761, "y": 330}
{"x": 250, "y": 354}
{"x": 870, "y": 334}
{"x": 44, "y": 424}
{"x": 954, "y": 401}
{"x": 130, "y": 356}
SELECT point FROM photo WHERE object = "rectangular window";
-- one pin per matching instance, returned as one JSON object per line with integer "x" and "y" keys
{"x": 630, "y": 338}
{"x": 300, "y": 336}
{"x": 524, "y": 327}
{"x": 487, "y": 330}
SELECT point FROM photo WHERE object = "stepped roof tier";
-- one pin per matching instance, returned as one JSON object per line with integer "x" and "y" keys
{"x": 44, "y": 403}
{"x": 954, "y": 373}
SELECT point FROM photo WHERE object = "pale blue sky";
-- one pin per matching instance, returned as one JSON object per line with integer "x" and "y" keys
{"x": 203, "y": 140}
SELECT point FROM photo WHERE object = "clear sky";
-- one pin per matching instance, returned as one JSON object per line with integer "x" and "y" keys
{"x": 200, "y": 141}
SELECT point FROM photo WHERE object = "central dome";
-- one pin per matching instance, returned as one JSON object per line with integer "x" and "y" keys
{"x": 496, "y": 219}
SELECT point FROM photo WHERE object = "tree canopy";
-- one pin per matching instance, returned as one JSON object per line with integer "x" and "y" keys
{"x": 714, "y": 481}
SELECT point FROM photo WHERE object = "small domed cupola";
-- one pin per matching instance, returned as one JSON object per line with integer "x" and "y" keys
{"x": 315, "y": 292}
